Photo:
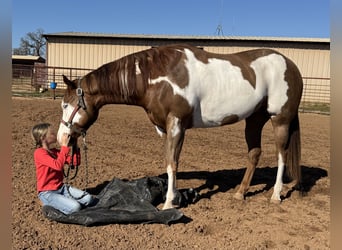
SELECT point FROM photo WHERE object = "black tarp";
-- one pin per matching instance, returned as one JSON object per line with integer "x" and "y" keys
{"x": 124, "y": 202}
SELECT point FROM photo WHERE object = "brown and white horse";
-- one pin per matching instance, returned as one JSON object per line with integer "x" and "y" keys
{"x": 182, "y": 87}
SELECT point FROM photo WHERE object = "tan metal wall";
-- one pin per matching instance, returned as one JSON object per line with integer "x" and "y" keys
{"x": 91, "y": 52}
{"x": 87, "y": 52}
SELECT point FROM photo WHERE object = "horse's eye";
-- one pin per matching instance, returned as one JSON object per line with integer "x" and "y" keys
{"x": 65, "y": 106}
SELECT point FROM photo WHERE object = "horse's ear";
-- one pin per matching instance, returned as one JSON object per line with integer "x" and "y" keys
{"x": 68, "y": 82}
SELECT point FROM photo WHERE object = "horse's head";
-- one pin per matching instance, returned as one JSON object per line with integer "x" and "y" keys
{"x": 79, "y": 111}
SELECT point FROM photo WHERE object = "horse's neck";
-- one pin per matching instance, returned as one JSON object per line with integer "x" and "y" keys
{"x": 120, "y": 91}
{"x": 110, "y": 98}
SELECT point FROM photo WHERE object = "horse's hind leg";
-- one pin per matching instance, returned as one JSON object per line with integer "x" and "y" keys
{"x": 281, "y": 138}
{"x": 287, "y": 137}
{"x": 253, "y": 129}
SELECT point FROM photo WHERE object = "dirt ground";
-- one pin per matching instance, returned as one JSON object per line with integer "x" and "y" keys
{"x": 124, "y": 144}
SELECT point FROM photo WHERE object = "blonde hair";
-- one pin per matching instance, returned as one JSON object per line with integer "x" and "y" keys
{"x": 38, "y": 132}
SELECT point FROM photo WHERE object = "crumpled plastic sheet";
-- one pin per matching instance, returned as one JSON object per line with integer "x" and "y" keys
{"x": 127, "y": 202}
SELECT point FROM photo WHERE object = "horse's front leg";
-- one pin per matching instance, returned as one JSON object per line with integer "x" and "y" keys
{"x": 173, "y": 146}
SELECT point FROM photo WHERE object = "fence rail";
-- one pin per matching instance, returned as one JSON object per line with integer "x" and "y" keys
{"x": 35, "y": 80}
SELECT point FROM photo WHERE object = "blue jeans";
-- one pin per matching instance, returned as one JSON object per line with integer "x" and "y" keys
{"x": 66, "y": 199}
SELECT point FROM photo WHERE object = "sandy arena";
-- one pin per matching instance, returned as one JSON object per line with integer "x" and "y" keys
{"x": 124, "y": 144}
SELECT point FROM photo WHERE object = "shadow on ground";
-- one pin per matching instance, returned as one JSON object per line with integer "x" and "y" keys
{"x": 224, "y": 180}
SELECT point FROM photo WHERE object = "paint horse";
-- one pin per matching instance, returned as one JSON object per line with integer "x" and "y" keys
{"x": 182, "y": 87}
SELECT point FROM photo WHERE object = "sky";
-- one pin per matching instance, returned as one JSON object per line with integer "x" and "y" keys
{"x": 267, "y": 18}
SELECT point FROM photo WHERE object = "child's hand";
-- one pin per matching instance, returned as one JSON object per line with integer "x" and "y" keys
{"x": 65, "y": 139}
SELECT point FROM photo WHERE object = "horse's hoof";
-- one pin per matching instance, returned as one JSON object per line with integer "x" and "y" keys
{"x": 239, "y": 196}
{"x": 167, "y": 205}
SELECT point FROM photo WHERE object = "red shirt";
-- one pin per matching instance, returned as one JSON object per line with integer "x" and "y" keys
{"x": 49, "y": 167}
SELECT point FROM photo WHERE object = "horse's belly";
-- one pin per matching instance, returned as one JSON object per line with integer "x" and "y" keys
{"x": 219, "y": 111}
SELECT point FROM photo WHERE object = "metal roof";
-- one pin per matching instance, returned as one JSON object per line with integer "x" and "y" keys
{"x": 186, "y": 37}
{"x": 25, "y": 57}
{"x": 28, "y": 58}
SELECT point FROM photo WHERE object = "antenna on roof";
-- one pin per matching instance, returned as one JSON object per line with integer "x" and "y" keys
{"x": 219, "y": 28}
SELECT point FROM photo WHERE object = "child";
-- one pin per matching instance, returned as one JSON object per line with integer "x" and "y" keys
{"x": 49, "y": 163}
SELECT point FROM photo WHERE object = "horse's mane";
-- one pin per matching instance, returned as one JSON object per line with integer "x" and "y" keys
{"x": 128, "y": 76}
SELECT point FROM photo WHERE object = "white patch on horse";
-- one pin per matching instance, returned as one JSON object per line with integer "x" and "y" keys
{"x": 175, "y": 130}
{"x": 279, "y": 181}
{"x": 220, "y": 91}
{"x": 171, "y": 186}
{"x": 67, "y": 111}
{"x": 270, "y": 71}
{"x": 176, "y": 89}
{"x": 160, "y": 131}
{"x": 137, "y": 68}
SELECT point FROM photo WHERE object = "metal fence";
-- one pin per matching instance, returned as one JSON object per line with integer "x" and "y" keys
{"x": 36, "y": 80}
{"x": 316, "y": 95}
{"x": 29, "y": 79}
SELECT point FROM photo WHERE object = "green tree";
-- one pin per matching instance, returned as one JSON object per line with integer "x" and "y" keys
{"x": 32, "y": 44}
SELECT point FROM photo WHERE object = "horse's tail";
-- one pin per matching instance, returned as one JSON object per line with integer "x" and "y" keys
{"x": 293, "y": 168}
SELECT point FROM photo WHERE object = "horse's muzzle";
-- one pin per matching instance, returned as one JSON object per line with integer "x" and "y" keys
{"x": 76, "y": 131}
{"x": 72, "y": 141}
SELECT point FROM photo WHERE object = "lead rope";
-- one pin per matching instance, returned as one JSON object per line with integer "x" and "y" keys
{"x": 85, "y": 148}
